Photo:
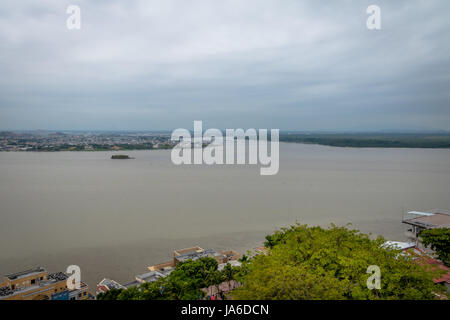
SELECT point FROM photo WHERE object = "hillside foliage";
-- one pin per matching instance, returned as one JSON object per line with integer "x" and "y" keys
{"x": 315, "y": 263}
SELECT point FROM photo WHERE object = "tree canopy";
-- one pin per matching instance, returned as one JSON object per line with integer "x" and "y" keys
{"x": 183, "y": 283}
{"x": 316, "y": 263}
{"x": 439, "y": 241}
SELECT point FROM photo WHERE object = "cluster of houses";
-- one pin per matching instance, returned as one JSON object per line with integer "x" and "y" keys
{"x": 55, "y": 141}
{"x": 39, "y": 284}
{"x": 161, "y": 270}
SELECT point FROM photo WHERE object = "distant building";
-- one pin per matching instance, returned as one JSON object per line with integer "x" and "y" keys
{"x": 38, "y": 284}
{"x": 233, "y": 263}
{"x": 195, "y": 253}
{"x": 151, "y": 276}
{"x": 419, "y": 221}
{"x": 80, "y": 294}
{"x": 108, "y": 284}
{"x": 399, "y": 245}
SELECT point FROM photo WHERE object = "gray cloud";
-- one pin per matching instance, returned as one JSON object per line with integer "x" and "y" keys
{"x": 299, "y": 65}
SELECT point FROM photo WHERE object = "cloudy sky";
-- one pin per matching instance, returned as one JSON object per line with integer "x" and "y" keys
{"x": 291, "y": 64}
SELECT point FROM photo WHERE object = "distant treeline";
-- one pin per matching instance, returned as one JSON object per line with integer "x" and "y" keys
{"x": 371, "y": 140}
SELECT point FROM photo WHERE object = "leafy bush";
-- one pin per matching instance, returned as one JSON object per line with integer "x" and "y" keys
{"x": 439, "y": 241}
{"x": 315, "y": 263}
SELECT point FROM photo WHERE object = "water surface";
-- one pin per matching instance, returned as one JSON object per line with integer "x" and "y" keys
{"x": 114, "y": 217}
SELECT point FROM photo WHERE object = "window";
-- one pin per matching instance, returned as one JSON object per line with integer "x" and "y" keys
{"x": 79, "y": 295}
{"x": 33, "y": 281}
{"x": 84, "y": 293}
{"x": 41, "y": 278}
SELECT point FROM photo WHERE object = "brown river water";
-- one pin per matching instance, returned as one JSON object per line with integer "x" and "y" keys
{"x": 115, "y": 217}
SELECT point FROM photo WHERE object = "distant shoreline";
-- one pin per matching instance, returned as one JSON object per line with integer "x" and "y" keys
{"x": 324, "y": 144}
{"x": 342, "y": 140}
{"x": 410, "y": 141}
{"x": 88, "y": 150}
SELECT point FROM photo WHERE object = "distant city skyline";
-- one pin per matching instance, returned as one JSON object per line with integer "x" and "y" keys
{"x": 159, "y": 65}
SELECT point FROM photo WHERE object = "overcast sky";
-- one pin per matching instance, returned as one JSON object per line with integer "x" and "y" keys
{"x": 293, "y": 65}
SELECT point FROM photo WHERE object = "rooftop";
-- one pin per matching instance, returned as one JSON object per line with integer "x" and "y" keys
{"x": 134, "y": 283}
{"x": 179, "y": 252}
{"x": 110, "y": 284}
{"x": 5, "y": 291}
{"x": 151, "y": 276}
{"x": 57, "y": 276}
{"x": 198, "y": 255}
{"x": 233, "y": 263}
{"x": 435, "y": 220}
{"x": 436, "y": 265}
{"x": 422, "y": 258}
{"x": 26, "y": 273}
{"x": 399, "y": 245}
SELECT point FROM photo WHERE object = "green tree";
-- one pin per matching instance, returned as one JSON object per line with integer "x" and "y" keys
{"x": 439, "y": 241}
{"x": 186, "y": 281}
{"x": 132, "y": 293}
{"x": 152, "y": 290}
{"x": 228, "y": 272}
{"x": 316, "y": 263}
{"x": 109, "y": 295}
{"x": 183, "y": 283}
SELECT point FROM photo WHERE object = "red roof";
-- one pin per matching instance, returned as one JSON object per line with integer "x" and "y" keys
{"x": 422, "y": 258}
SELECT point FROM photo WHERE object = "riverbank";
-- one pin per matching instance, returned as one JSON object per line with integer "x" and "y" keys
{"x": 120, "y": 262}
{"x": 363, "y": 140}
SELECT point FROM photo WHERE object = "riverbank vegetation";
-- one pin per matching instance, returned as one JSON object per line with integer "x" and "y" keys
{"x": 362, "y": 140}
{"x": 315, "y": 263}
{"x": 439, "y": 241}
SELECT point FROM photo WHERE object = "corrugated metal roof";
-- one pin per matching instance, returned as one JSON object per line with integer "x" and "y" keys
{"x": 420, "y": 213}
{"x": 398, "y": 245}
